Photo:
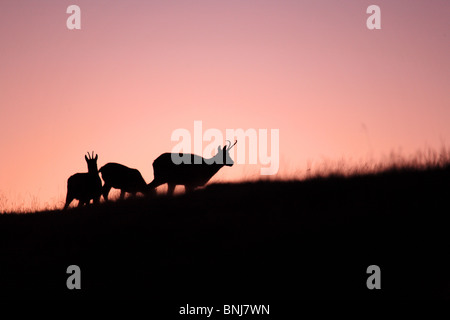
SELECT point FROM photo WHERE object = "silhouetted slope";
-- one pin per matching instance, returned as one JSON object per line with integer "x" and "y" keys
{"x": 281, "y": 240}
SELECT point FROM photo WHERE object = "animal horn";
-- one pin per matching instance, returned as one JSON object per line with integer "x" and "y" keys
{"x": 88, "y": 156}
{"x": 232, "y": 145}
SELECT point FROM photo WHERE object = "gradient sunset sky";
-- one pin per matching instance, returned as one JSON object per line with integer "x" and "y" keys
{"x": 138, "y": 70}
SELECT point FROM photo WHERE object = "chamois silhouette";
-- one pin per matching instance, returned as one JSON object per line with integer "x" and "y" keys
{"x": 121, "y": 177}
{"x": 195, "y": 173}
{"x": 85, "y": 186}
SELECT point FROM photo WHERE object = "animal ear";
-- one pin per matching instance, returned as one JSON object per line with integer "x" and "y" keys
{"x": 86, "y": 158}
{"x": 219, "y": 149}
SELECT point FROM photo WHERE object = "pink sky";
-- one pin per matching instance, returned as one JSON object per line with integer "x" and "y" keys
{"x": 138, "y": 70}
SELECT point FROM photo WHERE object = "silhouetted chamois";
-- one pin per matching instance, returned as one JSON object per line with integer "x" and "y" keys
{"x": 197, "y": 172}
{"x": 121, "y": 177}
{"x": 85, "y": 186}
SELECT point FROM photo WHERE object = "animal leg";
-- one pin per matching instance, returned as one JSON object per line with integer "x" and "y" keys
{"x": 68, "y": 201}
{"x": 105, "y": 191}
{"x": 122, "y": 194}
{"x": 151, "y": 187}
{"x": 171, "y": 188}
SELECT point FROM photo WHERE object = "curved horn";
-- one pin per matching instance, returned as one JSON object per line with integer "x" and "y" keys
{"x": 229, "y": 144}
{"x": 232, "y": 145}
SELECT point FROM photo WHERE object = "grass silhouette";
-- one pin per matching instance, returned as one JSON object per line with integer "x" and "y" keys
{"x": 258, "y": 240}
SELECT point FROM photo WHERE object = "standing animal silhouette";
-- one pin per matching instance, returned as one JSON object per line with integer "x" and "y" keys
{"x": 121, "y": 177}
{"x": 194, "y": 174}
{"x": 85, "y": 186}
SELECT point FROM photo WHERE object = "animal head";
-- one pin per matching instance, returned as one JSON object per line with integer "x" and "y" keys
{"x": 91, "y": 162}
{"x": 223, "y": 155}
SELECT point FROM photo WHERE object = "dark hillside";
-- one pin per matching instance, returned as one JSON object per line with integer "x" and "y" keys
{"x": 264, "y": 240}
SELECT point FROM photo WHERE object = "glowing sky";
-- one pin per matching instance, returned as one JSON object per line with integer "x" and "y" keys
{"x": 138, "y": 70}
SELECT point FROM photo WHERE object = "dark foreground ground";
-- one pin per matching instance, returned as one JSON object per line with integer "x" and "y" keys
{"x": 251, "y": 241}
